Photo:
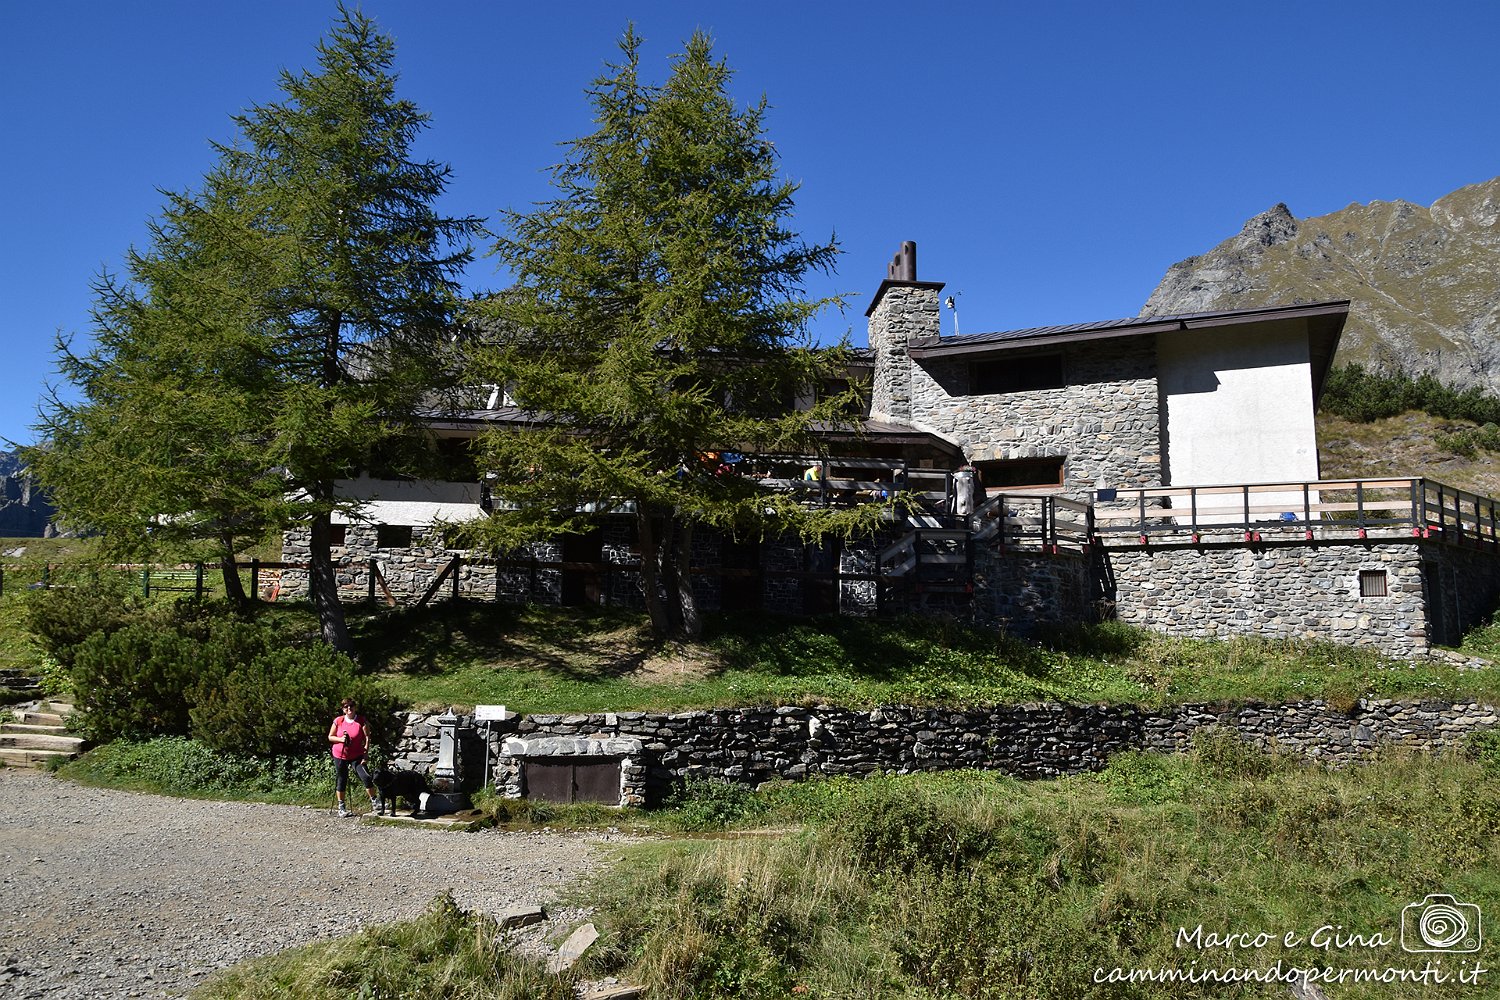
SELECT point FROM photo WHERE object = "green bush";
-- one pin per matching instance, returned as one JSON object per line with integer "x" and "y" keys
{"x": 892, "y": 830}
{"x": 446, "y": 952}
{"x": 281, "y": 701}
{"x": 1220, "y": 752}
{"x": 713, "y": 805}
{"x": 1356, "y": 394}
{"x": 134, "y": 682}
{"x": 79, "y": 604}
{"x": 1485, "y": 748}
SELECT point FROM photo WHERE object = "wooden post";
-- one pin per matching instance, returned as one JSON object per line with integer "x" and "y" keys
{"x": 198, "y": 583}
{"x": 458, "y": 565}
{"x": 254, "y": 578}
{"x": 146, "y": 580}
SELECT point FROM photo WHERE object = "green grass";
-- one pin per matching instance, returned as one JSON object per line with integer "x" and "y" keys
{"x": 965, "y": 884}
{"x": 446, "y": 952}
{"x": 539, "y": 660}
{"x": 188, "y": 769}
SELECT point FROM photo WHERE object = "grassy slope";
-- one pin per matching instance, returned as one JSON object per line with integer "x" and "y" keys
{"x": 1403, "y": 446}
{"x": 575, "y": 660}
{"x": 964, "y": 885}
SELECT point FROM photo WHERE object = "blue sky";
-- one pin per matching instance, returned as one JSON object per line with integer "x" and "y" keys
{"x": 1050, "y": 159}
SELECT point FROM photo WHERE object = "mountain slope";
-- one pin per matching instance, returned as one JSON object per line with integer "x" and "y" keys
{"x": 1424, "y": 282}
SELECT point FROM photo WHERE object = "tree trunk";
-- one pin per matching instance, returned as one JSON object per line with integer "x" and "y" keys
{"x": 324, "y": 586}
{"x": 321, "y": 582}
{"x": 650, "y": 578}
{"x": 689, "y": 623}
{"x": 671, "y": 620}
{"x": 234, "y": 588}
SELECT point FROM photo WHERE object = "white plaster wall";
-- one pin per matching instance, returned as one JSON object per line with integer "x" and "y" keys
{"x": 1239, "y": 405}
{"x": 409, "y": 501}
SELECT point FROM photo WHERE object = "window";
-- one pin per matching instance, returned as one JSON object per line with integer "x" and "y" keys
{"x": 393, "y": 536}
{"x": 1372, "y": 583}
{"x": 338, "y": 534}
{"x": 1023, "y": 374}
{"x": 456, "y": 460}
{"x": 1022, "y": 474}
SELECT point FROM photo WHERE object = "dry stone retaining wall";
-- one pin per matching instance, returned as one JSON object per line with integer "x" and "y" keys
{"x": 1029, "y": 741}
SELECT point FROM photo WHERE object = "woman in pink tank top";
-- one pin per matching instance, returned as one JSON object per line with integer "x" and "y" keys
{"x": 349, "y": 738}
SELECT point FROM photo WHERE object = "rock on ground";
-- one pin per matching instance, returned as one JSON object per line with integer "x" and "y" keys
{"x": 109, "y": 894}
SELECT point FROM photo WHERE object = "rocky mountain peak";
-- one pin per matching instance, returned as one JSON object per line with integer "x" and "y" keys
{"x": 1421, "y": 280}
{"x": 1275, "y": 225}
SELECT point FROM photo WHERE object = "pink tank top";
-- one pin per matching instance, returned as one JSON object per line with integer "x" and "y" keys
{"x": 355, "y": 730}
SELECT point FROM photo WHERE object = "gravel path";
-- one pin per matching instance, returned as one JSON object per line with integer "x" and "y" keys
{"x": 118, "y": 894}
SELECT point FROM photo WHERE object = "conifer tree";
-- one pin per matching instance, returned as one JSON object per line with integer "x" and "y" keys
{"x": 658, "y": 315}
{"x": 299, "y": 303}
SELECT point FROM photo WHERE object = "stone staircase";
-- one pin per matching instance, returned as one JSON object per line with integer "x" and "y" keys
{"x": 18, "y": 683}
{"x": 38, "y": 735}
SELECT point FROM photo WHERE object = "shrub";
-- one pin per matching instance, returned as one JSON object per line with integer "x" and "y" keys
{"x": 80, "y": 605}
{"x": 714, "y": 805}
{"x": 1220, "y": 752}
{"x": 134, "y": 682}
{"x": 894, "y": 831}
{"x": 281, "y": 701}
{"x": 1485, "y": 748}
{"x": 1356, "y": 394}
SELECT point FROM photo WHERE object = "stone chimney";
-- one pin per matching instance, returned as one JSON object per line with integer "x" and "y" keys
{"x": 903, "y": 314}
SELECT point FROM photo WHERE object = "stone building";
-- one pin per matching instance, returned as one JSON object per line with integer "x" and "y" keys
{"x": 1160, "y": 469}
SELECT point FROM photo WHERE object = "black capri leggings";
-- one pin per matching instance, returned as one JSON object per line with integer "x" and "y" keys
{"x": 341, "y": 773}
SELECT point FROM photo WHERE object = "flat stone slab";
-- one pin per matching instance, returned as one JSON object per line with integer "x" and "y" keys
{"x": 571, "y": 746}
{"x": 471, "y": 819}
{"x": 620, "y": 991}
{"x": 522, "y": 916}
{"x": 573, "y": 948}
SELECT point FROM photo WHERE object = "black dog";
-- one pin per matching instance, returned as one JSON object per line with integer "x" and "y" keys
{"x": 409, "y": 785}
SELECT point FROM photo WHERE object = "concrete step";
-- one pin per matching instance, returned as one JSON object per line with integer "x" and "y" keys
{"x": 63, "y": 708}
{"x": 17, "y": 757}
{"x": 40, "y": 741}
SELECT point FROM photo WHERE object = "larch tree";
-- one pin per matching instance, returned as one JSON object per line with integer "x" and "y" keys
{"x": 657, "y": 315}
{"x": 312, "y": 285}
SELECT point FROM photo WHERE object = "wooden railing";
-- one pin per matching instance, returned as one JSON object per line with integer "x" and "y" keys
{"x": 846, "y": 481}
{"x": 1021, "y": 521}
{"x": 1310, "y": 510}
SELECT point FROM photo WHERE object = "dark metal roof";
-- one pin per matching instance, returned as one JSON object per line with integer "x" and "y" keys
{"x": 1135, "y": 326}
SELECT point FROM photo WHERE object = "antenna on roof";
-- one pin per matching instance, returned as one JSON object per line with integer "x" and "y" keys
{"x": 951, "y": 304}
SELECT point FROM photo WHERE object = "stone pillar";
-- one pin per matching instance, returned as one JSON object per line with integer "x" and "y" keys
{"x": 903, "y": 314}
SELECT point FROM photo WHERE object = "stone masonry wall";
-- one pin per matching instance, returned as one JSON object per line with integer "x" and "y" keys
{"x": 753, "y": 745}
{"x": 1017, "y": 591}
{"x": 904, "y": 314}
{"x": 1463, "y": 589}
{"x": 1105, "y": 420}
{"x": 409, "y": 571}
{"x": 1290, "y": 591}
